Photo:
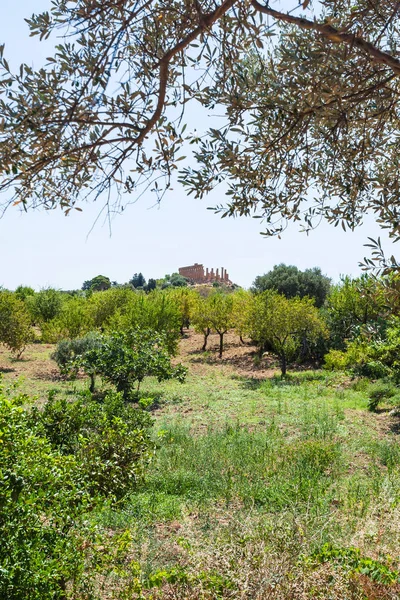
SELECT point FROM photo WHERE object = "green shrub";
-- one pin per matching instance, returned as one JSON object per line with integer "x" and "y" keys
{"x": 110, "y": 439}
{"x": 70, "y": 356}
{"x": 378, "y": 392}
{"x": 15, "y": 325}
{"x": 56, "y": 466}
{"x": 124, "y": 359}
{"x": 45, "y": 305}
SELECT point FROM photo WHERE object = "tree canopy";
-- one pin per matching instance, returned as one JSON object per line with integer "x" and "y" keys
{"x": 291, "y": 282}
{"x": 308, "y": 94}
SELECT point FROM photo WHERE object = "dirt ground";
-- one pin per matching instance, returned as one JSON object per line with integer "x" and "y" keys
{"x": 36, "y": 362}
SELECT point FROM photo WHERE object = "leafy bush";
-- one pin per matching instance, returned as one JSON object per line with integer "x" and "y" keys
{"x": 15, "y": 326}
{"x": 156, "y": 311}
{"x": 45, "y": 305}
{"x": 123, "y": 358}
{"x": 361, "y": 358}
{"x": 380, "y": 391}
{"x": 110, "y": 439}
{"x": 55, "y": 467}
{"x": 70, "y": 356}
{"x": 72, "y": 321}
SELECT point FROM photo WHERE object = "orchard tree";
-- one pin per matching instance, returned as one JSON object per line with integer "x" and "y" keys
{"x": 282, "y": 324}
{"x": 126, "y": 358}
{"x": 201, "y": 320}
{"x": 15, "y": 323}
{"x": 219, "y": 309}
{"x": 185, "y": 299}
{"x": 242, "y": 304}
{"x": 291, "y": 282}
{"x": 309, "y": 95}
{"x": 45, "y": 305}
{"x": 102, "y": 307}
{"x": 354, "y": 305}
{"x": 22, "y": 292}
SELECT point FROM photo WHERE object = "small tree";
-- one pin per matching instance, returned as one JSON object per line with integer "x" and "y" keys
{"x": 22, "y": 292}
{"x": 156, "y": 311}
{"x": 242, "y": 302}
{"x": 45, "y": 305}
{"x": 282, "y": 324}
{"x": 201, "y": 319}
{"x": 70, "y": 356}
{"x": 138, "y": 281}
{"x": 185, "y": 299}
{"x": 73, "y": 321}
{"x": 220, "y": 311}
{"x": 126, "y": 358}
{"x": 15, "y": 324}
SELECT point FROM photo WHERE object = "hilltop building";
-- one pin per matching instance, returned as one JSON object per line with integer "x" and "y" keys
{"x": 197, "y": 274}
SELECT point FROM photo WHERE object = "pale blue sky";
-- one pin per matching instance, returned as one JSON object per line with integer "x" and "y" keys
{"x": 47, "y": 249}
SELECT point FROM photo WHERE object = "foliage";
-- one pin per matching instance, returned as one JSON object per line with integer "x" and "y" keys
{"x": 321, "y": 140}
{"x": 23, "y": 291}
{"x": 73, "y": 320}
{"x": 15, "y": 325}
{"x": 352, "y": 559}
{"x": 124, "y": 358}
{"x": 103, "y": 307}
{"x": 177, "y": 280}
{"x": 283, "y": 325}
{"x": 353, "y": 305}
{"x": 138, "y": 281}
{"x": 185, "y": 298}
{"x": 360, "y": 357}
{"x": 151, "y": 285}
{"x": 110, "y": 440}
{"x": 242, "y": 303}
{"x": 370, "y": 355}
{"x": 56, "y": 466}
{"x": 155, "y": 311}
{"x": 380, "y": 391}
{"x": 289, "y": 281}
{"x": 97, "y": 284}
{"x": 201, "y": 319}
{"x": 70, "y": 356}
{"x": 45, "y": 305}
{"x": 219, "y": 309}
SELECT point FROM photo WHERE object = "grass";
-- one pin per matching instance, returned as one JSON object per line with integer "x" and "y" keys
{"x": 259, "y": 489}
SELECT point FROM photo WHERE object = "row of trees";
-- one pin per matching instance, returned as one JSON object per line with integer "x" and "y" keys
{"x": 100, "y": 283}
{"x": 291, "y": 325}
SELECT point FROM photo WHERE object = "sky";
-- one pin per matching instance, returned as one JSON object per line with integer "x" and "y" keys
{"x": 45, "y": 248}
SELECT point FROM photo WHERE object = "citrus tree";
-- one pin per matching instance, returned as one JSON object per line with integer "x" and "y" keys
{"x": 126, "y": 358}
{"x": 282, "y": 324}
{"x": 219, "y": 308}
{"x": 15, "y": 323}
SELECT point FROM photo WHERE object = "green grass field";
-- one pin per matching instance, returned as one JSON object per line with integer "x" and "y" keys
{"x": 259, "y": 488}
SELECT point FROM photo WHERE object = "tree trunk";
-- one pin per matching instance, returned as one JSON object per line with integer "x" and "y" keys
{"x": 241, "y": 340}
{"x": 283, "y": 365}
{"x": 221, "y": 344}
{"x": 92, "y": 382}
{"x": 206, "y": 334}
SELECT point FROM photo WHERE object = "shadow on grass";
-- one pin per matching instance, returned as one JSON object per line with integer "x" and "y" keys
{"x": 7, "y": 370}
{"x": 295, "y": 378}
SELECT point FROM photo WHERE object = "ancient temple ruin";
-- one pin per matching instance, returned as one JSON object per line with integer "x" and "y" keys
{"x": 196, "y": 274}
